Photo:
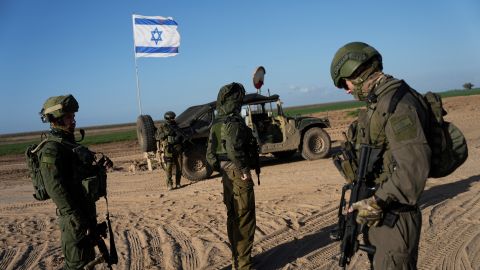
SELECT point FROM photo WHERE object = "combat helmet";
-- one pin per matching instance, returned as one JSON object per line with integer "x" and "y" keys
{"x": 349, "y": 58}
{"x": 169, "y": 116}
{"x": 57, "y": 106}
{"x": 230, "y": 98}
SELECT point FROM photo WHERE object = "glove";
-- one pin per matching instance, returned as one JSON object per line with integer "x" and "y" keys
{"x": 368, "y": 212}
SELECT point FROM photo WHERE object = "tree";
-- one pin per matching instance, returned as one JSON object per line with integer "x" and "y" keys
{"x": 468, "y": 86}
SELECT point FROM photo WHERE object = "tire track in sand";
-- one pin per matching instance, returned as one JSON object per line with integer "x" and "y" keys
{"x": 153, "y": 253}
{"x": 449, "y": 232}
{"x": 308, "y": 225}
{"x": 28, "y": 257}
{"x": 135, "y": 252}
{"x": 6, "y": 258}
{"x": 183, "y": 254}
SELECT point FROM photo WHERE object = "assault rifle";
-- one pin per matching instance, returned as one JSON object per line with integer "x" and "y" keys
{"x": 254, "y": 156}
{"x": 348, "y": 229}
{"x": 257, "y": 167}
{"x": 97, "y": 236}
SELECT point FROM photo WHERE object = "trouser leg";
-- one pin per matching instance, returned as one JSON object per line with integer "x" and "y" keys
{"x": 168, "y": 172}
{"x": 76, "y": 248}
{"x": 228, "y": 201}
{"x": 397, "y": 247}
{"x": 178, "y": 169}
{"x": 239, "y": 198}
{"x": 244, "y": 202}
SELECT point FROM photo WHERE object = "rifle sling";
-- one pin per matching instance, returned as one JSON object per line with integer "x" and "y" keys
{"x": 113, "y": 250}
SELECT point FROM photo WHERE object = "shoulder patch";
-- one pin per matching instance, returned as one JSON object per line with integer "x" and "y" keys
{"x": 403, "y": 127}
{"x": 48, "y": 159}
{"x": 49, "y": 156}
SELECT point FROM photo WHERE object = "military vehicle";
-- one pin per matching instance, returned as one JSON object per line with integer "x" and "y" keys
{"x": 276, "y": 133}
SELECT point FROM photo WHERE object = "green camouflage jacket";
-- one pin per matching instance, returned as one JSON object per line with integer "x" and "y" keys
{"x": 62, "y": 172}
{"x": 405, "y": 159}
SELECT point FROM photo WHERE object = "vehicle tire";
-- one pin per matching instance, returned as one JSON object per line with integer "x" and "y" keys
{"x": 316, "y": 144}
{"x": 146, "y": 133}
{"x": 284, "y": 154}
{"x": 195, "y": 166}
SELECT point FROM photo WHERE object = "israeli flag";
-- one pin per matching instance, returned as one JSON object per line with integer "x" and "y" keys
{"x": 155, "y": 36}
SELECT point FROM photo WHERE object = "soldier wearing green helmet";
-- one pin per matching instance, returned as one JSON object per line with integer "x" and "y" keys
{"x": 170, "y": 140}
{"x": 64, "y": 166}
{"x": 400, "y": 171}
{"x": 230, "y": 151}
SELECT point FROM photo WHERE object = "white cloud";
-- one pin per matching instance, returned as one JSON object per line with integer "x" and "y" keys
{"x": 303, "y": 89}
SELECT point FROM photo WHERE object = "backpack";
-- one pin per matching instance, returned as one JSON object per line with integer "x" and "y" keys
{"x": 446, "y": 141}
{"x": 33, "y": 166}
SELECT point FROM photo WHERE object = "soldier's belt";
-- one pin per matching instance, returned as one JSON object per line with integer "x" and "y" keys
{"x": 400, "y": 207}
{"x": 223, "y": 158}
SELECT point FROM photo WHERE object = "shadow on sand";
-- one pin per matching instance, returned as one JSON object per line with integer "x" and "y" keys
{"x": 286, "y": 253}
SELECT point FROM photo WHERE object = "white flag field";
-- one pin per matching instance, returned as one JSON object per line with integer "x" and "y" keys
{"x": 155, "y": 36}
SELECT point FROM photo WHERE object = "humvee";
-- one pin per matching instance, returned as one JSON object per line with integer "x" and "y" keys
{"x": 276, "y": 133}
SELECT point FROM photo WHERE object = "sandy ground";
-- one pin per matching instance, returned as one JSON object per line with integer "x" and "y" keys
{"x": 296, "y": 207}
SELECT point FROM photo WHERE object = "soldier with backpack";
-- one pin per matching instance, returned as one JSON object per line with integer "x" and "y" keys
{"x": 400, "y": 163}
{"x": 74, "y": 178}
{"x": 232, "y": 150}
{"x": 171, "y": 144}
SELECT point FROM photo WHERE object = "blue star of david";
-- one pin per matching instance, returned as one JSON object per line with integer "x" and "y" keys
{"x": 156, "y": 36}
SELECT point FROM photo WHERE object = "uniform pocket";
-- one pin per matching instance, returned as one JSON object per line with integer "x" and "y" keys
{"x": 75, "y": 244}
{"x": 244, "y": 197}
{"x": 397, "y": 260}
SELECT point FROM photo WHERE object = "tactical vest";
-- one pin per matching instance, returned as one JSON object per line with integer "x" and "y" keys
{"x": 371, "y": 130}
{"x": 170, "y": 141}
{"x": 93, "y": 178}
{"x": 217, "y": 139}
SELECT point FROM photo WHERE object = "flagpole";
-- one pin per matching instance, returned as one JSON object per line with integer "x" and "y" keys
{"x": 136, "y": 66}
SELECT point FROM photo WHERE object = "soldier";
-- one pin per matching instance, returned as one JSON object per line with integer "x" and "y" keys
{"x": 171, "y": 140}
{"x": 401, "y": 169}
{"x": 67, "y": 168}
{"x": 231, "y": 148}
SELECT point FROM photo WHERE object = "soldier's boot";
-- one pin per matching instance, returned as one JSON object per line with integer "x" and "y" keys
{"x": 177, "y": 183}
{"x": 169, "y": 184}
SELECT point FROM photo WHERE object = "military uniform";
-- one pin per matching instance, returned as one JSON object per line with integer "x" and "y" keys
{"x": 401, "y": 174}
{"x": 62, "y": 174}
{"x": 400, "y": 166}
{"x": 73, "y": 180}
{"x": 228, "y": 152}
{"x": 171, "y": 144}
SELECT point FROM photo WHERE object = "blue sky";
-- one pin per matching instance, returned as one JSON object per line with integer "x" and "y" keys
{"x": 86, "y": 48}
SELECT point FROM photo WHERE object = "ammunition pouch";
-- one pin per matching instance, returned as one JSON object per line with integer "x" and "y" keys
{"x": 346, "y": 163}
{"x": 346, "y": 167}
{"x": 95, "y": 186}
{"x": 170, "y": 139}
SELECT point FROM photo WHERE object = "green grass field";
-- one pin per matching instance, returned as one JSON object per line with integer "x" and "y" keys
{"x": 18, "y": 148}
{"x": 310, "y": 109}
{"x": 129, "y": 135}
